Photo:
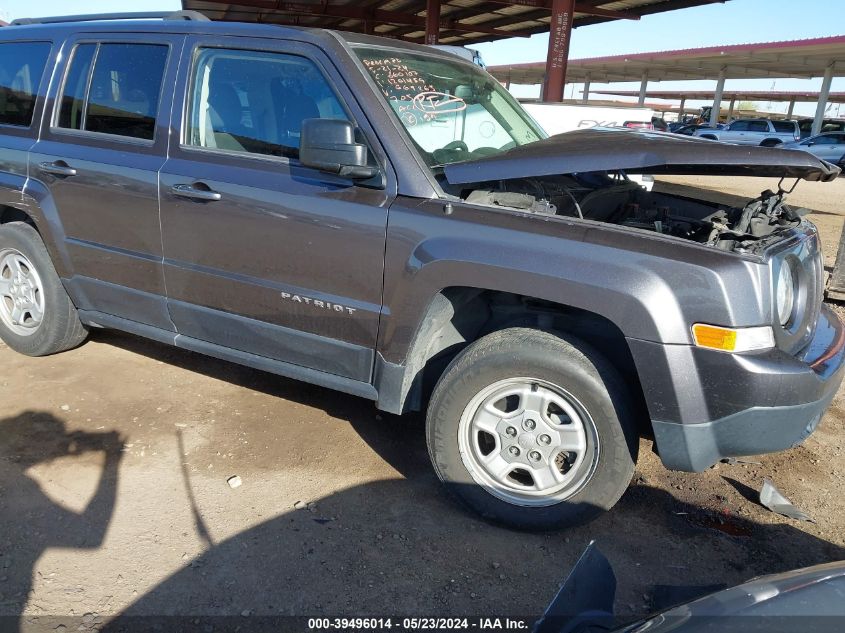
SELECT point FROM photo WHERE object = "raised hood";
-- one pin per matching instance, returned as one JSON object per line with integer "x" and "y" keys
{"x": 604, "y": 149}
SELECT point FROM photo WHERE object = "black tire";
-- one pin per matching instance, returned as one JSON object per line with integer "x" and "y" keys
{"x": 60, "y": 328}
{"x": 557, "y": 359}
{"x": 771, "y": 142}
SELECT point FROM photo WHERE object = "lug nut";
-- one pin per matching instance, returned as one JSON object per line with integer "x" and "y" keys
{"x": 530, "y": 425}
{"x": 534, "y": 456}
{"x": 545, "y": 440}
{"x": 513, "y": 450}
{"x": 511, "y": 431}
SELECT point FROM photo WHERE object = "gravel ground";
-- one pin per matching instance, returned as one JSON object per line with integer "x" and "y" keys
{"x": 114, "y": 461}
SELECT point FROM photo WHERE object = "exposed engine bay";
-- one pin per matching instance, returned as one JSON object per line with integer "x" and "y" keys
{"x": 615, "y": 199}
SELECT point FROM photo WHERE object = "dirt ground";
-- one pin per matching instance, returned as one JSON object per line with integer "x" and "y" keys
{"x": 114, "y": 460}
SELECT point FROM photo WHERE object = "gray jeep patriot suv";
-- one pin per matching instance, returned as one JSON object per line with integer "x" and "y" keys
{"x": 384, "y": 219}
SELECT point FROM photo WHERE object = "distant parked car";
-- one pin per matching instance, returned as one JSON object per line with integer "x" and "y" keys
{"x": 638, "y": 125}
{"x": 828, "y": 125}
{"x": 829, "y": 146}
{"x": 690, "y": 129}
{"x": 755, "y": 132}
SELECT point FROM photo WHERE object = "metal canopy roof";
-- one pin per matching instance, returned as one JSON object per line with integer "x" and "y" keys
{"x": 461, "y": 21}
{"x": 727, "y": 95}
{"x": 794, "y": 58}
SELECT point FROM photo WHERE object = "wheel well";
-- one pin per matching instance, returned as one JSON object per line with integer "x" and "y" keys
{"x": 460, "y": 316}
{"x": 11, "y": 214}
{"x": 771, "y": 142}
{"x": 710, "y": 136}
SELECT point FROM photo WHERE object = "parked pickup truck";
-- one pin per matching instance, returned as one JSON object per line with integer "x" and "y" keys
{"x": 754, "y": 132}
{"x": 384, "y": 219}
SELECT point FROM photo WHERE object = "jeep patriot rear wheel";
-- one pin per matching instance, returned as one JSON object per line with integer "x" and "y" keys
{"x": 36, "y": 315}
{"x": 532, "y": 429}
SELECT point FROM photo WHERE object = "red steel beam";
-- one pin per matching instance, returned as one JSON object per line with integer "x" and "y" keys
{"x": 388, "y": 17}
{"x": 580, "y": 7}
{"x": 432, "y": 22}
{"x": 560, "y": 35}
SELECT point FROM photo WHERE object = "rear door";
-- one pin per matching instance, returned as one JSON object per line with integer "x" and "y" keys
{"x": 99, "y": 154}
{"x": 262, "y": 254}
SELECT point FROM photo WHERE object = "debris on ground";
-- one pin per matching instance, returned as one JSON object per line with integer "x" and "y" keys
{"x": 234, "y": 481}
{"x": 774, "y": 500}
{"x": 733, "y": 461}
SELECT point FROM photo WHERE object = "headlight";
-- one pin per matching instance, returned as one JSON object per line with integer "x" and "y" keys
{"x": 785, "y": 293}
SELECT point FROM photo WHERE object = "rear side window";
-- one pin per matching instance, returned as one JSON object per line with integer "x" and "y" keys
{"x": 758, "y": 126}
{"x": 21, "y": 67}
{"x": 787, "y": 127}
{"x": 113, "y": 89}
{"x": 255, "y": 102}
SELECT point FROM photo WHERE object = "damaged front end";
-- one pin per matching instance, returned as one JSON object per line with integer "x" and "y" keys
{"x": 583, "y": 175}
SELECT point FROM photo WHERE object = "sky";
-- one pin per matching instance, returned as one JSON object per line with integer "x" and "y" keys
{"x": 734, "y": 22}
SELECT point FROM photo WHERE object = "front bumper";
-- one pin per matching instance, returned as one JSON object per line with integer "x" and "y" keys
{"x": 707, "y": 405}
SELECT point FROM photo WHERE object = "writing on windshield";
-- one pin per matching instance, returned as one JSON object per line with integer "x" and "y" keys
{"x": 451, "y": 110}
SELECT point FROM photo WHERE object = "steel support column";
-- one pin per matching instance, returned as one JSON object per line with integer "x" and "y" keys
{"x": 824, "y": 94}
{"x": 791, "y": 108}
{"x": 717, "y": 99}
{"x": 683, "y": 106}
{"x": 731, "y": 109}
{"x": 432, "y": 22}
{"x": 560, "y": 34}
{"x": 585, "y": 95}
{"x": 643, "y": 89}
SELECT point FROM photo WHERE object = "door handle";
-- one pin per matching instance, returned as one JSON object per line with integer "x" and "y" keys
{"x": 57, "y": 168}
{"x": 192, "y": 192}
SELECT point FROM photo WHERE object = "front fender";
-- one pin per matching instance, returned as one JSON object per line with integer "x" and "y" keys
{"x": 651, "y": 287}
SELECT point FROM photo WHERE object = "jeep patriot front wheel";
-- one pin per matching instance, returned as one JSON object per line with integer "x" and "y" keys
{"x": 531, "y": 429}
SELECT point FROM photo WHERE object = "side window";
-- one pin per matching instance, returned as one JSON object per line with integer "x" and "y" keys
{"x": 255, "y": 102}
{"x": 76, "y": 85}
{"x": 739, "y": 126}
{"x": 21, "y": 67}
{"x": 120, "y": 96}
{"x": 787, "y": 127}
{"x": 758, "y": 126}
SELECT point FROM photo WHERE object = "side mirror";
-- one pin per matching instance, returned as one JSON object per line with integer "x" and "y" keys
{"x": 329, "y": 145}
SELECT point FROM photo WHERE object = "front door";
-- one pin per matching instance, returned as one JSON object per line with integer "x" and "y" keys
{"x": 261, "y": 254}
{"x": 99, "y": 155}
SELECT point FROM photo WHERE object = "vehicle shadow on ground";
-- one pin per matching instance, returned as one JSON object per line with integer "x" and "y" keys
{"x": 33, "y": 522}
{"x": 402, "y": 547}
{"x": 378, "y": 550}
{"x": 388, "y": 434}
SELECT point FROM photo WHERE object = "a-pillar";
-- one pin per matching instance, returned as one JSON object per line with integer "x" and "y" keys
{"x": 432, "y": 22}
{"x": 560, "y": 34}
{"x": 717, "y": 99}
{"x": 824, "y": 94}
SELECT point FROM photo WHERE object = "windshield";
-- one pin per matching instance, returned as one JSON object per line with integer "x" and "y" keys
{"x": 452, "y": 111}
